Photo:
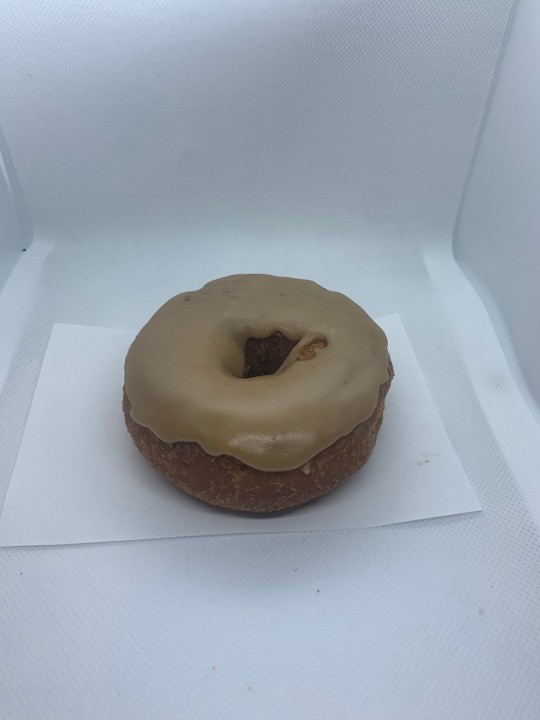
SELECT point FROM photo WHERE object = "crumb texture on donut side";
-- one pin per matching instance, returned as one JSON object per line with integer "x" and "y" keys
{"x": 229, "y": 483}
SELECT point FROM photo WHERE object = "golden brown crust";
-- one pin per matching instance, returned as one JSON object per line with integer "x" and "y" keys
{"x": 227, "y": 482}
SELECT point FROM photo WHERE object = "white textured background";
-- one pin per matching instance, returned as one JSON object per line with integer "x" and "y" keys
{"x": 162, "y": 144}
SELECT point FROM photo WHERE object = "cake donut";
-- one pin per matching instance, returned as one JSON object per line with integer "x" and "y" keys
{"x": 257, "y": 393}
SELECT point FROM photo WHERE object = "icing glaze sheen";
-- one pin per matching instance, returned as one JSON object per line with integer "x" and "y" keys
{"x": 183, "y": 372}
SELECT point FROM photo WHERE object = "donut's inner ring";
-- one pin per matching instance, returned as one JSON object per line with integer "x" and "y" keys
{"x": 265, "y": 356}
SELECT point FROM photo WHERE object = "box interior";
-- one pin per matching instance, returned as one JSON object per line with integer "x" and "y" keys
{"x": 158, "y": 146}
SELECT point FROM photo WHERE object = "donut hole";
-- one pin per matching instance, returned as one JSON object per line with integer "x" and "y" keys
{"x": 264, "y": 356}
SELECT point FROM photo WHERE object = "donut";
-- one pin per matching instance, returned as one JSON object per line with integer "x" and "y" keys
{"x": 257, "y": 393}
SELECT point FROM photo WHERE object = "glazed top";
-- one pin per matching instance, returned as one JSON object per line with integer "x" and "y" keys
{"x": 183, "y": 372}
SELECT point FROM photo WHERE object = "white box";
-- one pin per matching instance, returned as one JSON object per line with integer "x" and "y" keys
{"x": 153, "y": 146}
